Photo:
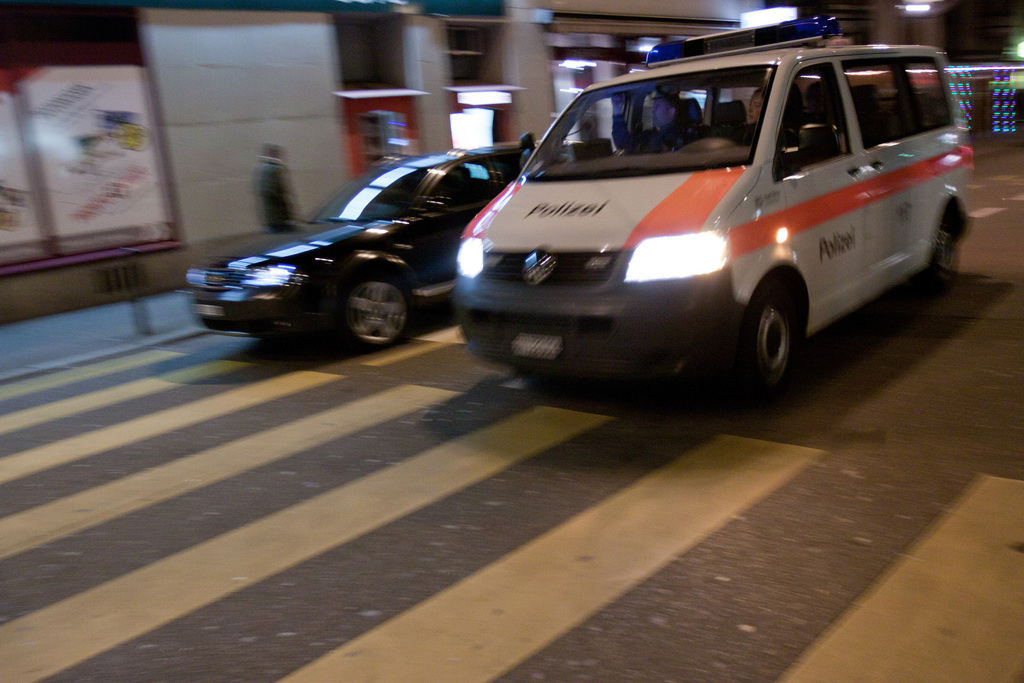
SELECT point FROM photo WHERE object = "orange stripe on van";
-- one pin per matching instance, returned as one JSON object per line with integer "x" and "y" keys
{"x": 760, "y": 233}
{"x": 478, "y": 226}
{"x": 688, "y": 207}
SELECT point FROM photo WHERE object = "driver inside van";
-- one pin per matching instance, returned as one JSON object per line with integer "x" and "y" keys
{"x": 673, "y": 125}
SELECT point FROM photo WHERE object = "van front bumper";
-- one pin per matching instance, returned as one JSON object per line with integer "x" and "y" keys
{"x": 617, "y": 330}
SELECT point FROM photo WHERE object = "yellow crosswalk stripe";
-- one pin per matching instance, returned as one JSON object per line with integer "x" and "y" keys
{"x": 118, "y": 394}
{"x": 65, "y": 377}
{"x": 69, "y": 450}
{"x": 496, "y": 618}
{"x": 424, "y": 344}
{"x": 450, "y": 335}
{"x": 44, "y": 523}
{"x": 50, "y": 640}
{"x": 951, "y": 610}
{"x": 404, "y": 352}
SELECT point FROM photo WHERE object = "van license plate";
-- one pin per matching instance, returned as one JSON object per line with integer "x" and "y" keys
{"x": 210, "y": 311}
{"x": 540, "y": 346}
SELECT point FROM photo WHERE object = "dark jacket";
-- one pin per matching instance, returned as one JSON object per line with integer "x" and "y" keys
{"x": 272, "y": 188}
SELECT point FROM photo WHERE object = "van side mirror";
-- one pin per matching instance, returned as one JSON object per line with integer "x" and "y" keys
{"x": 527, "y": 144}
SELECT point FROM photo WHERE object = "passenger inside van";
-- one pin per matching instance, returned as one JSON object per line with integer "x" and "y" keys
{"x": 814, "y": 103}
{"x": 754, "y": 106}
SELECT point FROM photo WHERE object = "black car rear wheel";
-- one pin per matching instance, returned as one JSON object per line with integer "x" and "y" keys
{"x": 373, "y": 312}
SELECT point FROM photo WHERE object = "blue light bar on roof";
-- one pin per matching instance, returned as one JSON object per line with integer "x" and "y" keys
{"x": 747, "y": 39}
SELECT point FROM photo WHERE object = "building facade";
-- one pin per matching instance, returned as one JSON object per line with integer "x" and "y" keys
{"x": 131, "y": 128}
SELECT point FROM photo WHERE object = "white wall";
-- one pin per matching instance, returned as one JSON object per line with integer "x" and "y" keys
{"x": 427, "y": 69}
{"x": 528, "y": 64}
{"x": 228, "y": 82}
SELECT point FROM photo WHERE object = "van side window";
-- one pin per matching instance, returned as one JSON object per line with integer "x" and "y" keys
{"x": 881, "y": 109}
{"x": 928, "y": 93}
{"x": 813, "y": 126}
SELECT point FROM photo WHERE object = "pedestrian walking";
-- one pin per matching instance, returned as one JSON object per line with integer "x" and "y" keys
{"x": 272, "y": 188}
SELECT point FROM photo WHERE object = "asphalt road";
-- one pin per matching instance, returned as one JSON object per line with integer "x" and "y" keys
{"x": 222, "y": 510}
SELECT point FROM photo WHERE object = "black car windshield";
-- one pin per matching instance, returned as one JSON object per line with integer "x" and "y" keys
{"x": 689, "y": 121}
{"x": 384, "y": 193}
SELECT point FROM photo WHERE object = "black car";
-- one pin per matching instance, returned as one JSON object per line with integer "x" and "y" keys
{"x": 384, "y": 243}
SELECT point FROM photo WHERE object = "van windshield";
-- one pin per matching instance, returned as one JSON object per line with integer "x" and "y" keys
{"x": 683, "y": 122}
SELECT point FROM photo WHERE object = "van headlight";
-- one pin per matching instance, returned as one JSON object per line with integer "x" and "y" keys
{"x": 269, "y": 276}
{"x": 471, "y": 257}
{"x": 677, "y": 256}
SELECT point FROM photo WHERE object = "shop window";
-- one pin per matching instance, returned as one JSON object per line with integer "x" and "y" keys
{"x": 81, "y": 175}
{"x": 57, "y": 36}
{"x": 365, "y": 48}
{"x": 473, "y": 54}
{"x": 383, "y": 134}
{"x": 465, "y": 51}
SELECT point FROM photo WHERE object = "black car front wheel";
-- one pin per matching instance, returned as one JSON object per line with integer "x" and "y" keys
{"x": 373, "y": 312}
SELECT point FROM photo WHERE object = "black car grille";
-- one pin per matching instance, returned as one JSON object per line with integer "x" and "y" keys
{"x": 223, "y": 278}
{"x": 570, "y": 268}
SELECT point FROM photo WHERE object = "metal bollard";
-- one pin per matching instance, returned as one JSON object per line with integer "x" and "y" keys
{"x": 133, "y": 285}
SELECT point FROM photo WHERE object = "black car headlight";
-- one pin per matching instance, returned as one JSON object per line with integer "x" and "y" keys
{"x": 270, "y": 276}
{"x": 196, "y": 277}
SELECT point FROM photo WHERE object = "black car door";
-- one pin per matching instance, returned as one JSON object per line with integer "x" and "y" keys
{"x": 431, "y": 240}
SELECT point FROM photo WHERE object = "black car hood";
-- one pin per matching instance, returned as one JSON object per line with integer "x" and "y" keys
{"x": 275, "y": 247}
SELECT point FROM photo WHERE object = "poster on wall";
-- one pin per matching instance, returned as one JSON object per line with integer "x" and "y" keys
{"x": 93, "y": 131}
{"x": 18, "y": 223}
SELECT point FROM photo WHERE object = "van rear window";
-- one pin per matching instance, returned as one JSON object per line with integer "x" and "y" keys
{"x": 930, "y": 104}
{"x": 896, "y": 98}
{"x": 881, "y": 110}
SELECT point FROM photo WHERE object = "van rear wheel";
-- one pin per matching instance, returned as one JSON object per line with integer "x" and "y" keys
{"x": 942, "y": 267}
{"x": 768, "y": 338}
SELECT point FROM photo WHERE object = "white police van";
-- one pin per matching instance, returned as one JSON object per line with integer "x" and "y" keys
{"x": 747, "y": 190}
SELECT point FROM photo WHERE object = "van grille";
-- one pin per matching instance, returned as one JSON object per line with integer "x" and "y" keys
{"x": 570, "y": 268}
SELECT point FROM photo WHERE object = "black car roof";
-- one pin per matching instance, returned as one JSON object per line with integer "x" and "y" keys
{"x": 453, "y": 155}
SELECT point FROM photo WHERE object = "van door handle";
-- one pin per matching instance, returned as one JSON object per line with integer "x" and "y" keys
{"x": 858, "y": 171}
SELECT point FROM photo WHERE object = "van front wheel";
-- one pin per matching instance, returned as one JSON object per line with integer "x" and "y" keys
{"x": 768, "y": 336}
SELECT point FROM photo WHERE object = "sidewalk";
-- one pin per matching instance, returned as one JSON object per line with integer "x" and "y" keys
{"x": 32, "y": 346}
